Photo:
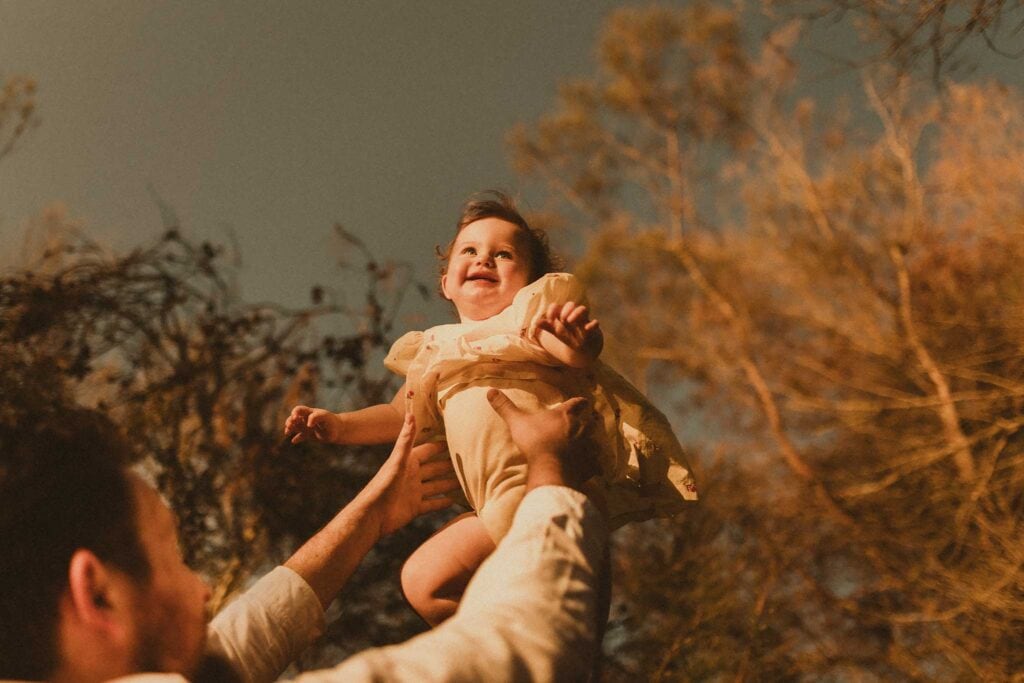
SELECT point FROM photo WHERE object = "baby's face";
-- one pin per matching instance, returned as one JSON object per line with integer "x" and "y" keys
{"x": 486, "y": 268}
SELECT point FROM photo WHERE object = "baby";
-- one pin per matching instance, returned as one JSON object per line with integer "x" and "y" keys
{"x": 527, "y": 331}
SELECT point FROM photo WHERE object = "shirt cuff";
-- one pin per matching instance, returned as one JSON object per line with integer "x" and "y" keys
{"x": 268, "y": 626}
{"x": 542, "y": 503}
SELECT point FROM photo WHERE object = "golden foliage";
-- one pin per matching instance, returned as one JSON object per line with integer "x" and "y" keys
{"x": 835, "y": 305}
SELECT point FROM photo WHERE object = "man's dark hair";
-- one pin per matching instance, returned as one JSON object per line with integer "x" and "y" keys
{"x": 63, "y": 486}
{"x": 495, "y": 204}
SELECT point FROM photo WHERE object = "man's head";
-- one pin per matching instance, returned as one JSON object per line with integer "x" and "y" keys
{"x": 91, "y": 575}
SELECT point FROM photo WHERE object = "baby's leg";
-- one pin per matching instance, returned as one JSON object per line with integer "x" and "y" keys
{"x": 436, "y": 574}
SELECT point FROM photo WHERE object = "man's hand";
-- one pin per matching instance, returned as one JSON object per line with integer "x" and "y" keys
{"x": 568, "y": 333}
{"x": 411, "y": 481}
{"x": 408, "y": 484}
{"x": 551, "y": 439}
{"x": 313, "y": 423}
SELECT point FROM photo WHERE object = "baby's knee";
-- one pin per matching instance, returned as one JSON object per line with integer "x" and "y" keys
{"x": 422, "y": 587}
{"x": 415, "y": 578}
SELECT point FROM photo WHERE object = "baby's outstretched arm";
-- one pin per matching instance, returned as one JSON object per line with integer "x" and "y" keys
{"x": 376, "y": 424}
{"x": 567, "y": 333}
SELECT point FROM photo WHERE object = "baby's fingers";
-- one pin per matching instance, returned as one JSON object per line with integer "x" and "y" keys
{"x": 565, "y": 310}
{"x": 297, "y": 417}
{"x": 560, "y": 330}
{"x": 575, "y": 314}
{"x": 552, "y": 325}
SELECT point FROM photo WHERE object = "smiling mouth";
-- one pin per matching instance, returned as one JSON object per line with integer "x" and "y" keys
{"x": 481, "y": 278}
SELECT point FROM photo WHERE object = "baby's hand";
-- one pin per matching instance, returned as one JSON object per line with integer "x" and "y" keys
{"x": 313, "y": 423}
{"x": 571, "y": 325}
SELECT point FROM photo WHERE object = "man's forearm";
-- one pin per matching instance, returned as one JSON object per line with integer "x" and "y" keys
{"x": 329, "y": 558}
{"x": 405, "y": 486}
{"x": 529, "y": 614}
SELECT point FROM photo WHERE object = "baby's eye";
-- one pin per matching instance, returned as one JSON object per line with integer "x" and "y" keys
{"x": 504, "y": 254}
{"x": 468, "y": 250}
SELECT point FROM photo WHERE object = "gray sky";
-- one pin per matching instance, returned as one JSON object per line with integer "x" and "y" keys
{"x": 278, "y": 119}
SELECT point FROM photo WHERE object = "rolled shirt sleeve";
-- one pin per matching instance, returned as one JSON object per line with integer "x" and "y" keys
{"x": 529, "y": 613}
{"x": 266, "y": 628}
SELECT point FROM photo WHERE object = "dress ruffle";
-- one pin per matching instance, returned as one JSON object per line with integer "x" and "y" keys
{"x": 644, "y": 472}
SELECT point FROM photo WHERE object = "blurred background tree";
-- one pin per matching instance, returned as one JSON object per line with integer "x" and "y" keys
{"x": 926, "y": 35}
{"x": 201, "y": 382}
{"x": 827, "y": 294}
{"x": 833, "y": 301}
{"x": 17, "y": 111}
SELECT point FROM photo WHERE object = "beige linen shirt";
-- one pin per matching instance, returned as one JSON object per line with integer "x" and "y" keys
{"x": 529, "y": 614}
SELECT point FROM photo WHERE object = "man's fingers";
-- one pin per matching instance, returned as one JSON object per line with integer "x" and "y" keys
{"x": 581, "y": 416}
{"x": 427, "y": 451}
{"x": 576, "y": 406}
{"x": 579, "y": 412}
{"x": 434, "y": 504}
{"x": 408, "y": 428}
{"x": 435, "y": 469}
{"x": 439, "y": 486}
{"x": 501, "y": 403}
{"x": 405, "y": 437}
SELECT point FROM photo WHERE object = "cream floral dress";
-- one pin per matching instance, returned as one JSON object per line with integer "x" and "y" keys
{"x": 450, "y": 368}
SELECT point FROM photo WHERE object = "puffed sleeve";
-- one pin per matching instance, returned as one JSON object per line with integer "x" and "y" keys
{"x": 402, "y": 353}
{"x": 554, "y": 288}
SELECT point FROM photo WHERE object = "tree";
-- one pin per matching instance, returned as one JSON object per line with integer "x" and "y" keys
{"x": 17, "y": 111}
{"x": 906, "y": 33}
{"x": 833, "y": 304}
{"x": 201, "y": 381}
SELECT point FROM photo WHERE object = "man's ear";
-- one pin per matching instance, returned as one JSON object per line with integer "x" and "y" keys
{"x": 100, "y": 596}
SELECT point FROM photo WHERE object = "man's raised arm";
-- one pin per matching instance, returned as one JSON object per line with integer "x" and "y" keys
{"x": 267, "y": 627}
{"x": 531, "y": 610}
